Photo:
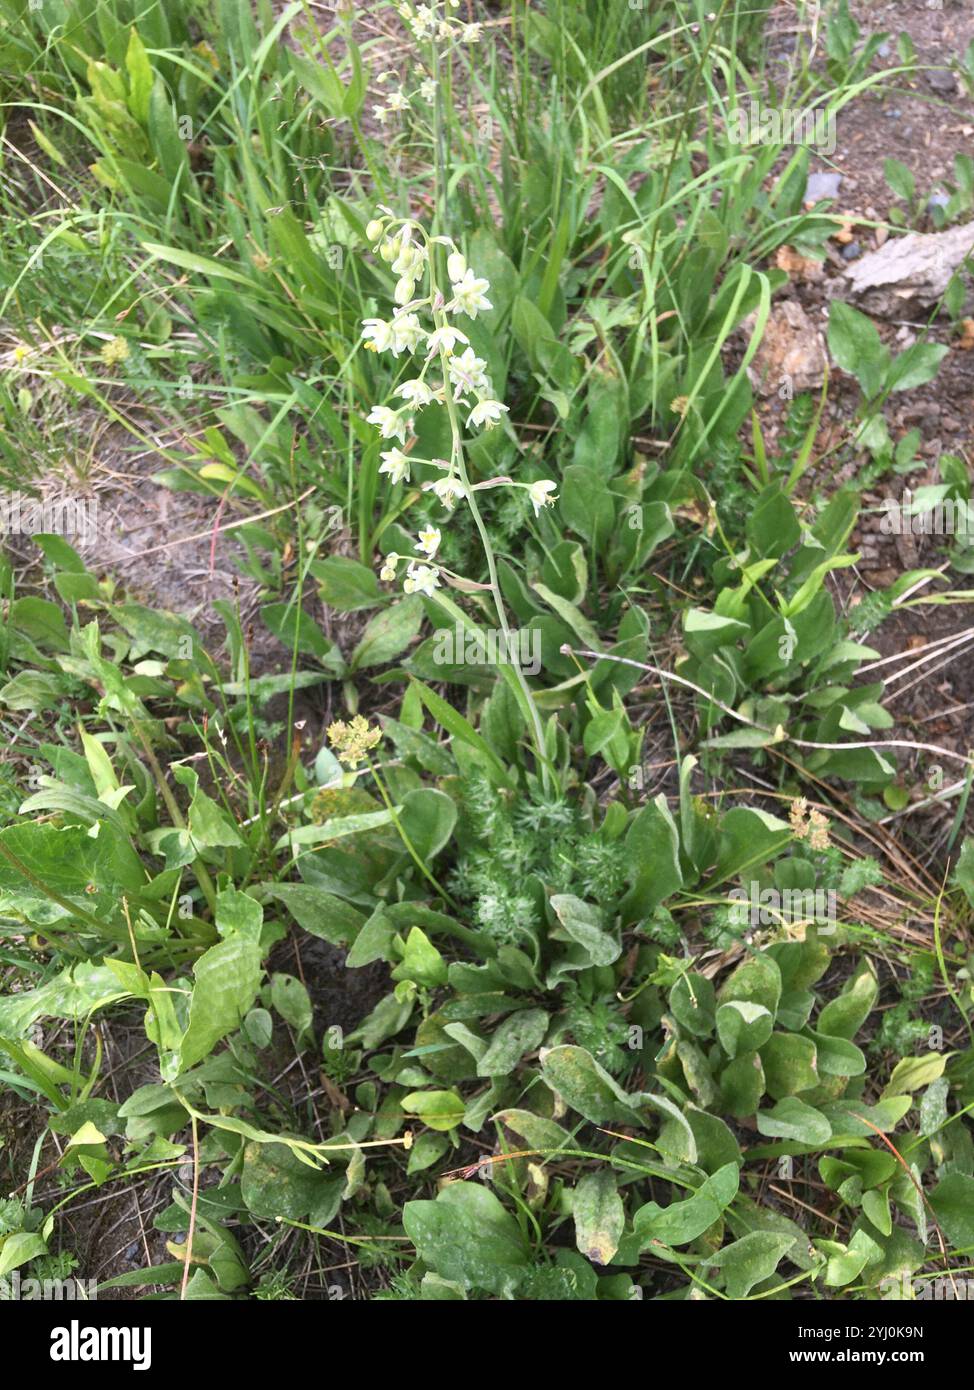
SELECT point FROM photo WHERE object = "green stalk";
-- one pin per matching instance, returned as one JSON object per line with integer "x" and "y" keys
{"x": 526, "y": 698}
{"x": 411, "y": 848}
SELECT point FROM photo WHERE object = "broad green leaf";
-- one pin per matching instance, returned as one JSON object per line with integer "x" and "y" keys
{"x": 320, "y": 913}
{"x": 581, "y": 925}
{"x": 438, "y": 1109}
{"x": 843, "y": 1016}
{"x": 421, "y": 961}
{"x": 73, "y": 994}
{"x": 688, "y": 1218}
{"x": 274, "y": 1183}
{"x": 757, "y": 980}
{"x": 468, "y": 1237}
{"x": 584, "y": 1085}
{"x": 743, "y": 1026}
{"x": 747, "y": 839}
{"x": 18, "y": 1248}
{"x": 953, "y": 1204}
{"x": 535, "y": 1131}
{"x": 518, "y": 1034}
{"x": 692, "y": 1004}
{"x": 388, "y": 634}
{"x": 742, "y": 1085}
{"x": 428, "y": 817}
{"x": 291, "y": 1000}
{"x": 789, "y": 1063}
{"x": 836, "y": 1056}
{"x": 599, "y": 1216}
{"x": 750, "y": 1260}
{"x": 227, "y": 978}
{"x": 793, "y": 1119}
{"x": 933, "y": 1107}
{"x": 88, "y": 871}
{"x": 912, "y": 1073}
{"x": 141, "y": 78}
{"x": 653, "y": 849}
{"x": 209, "y": 827}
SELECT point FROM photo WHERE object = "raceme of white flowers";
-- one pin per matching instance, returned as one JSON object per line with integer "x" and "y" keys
{"x": 428, "y": 23}
{"x": 450, "y": 374}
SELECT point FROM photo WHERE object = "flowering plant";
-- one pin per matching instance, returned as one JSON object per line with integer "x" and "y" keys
{"x": 436, "y": 25}
{"x": 448, "y": 373}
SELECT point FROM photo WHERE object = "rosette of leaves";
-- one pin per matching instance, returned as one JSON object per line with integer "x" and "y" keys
{"x": 773, "y": 649}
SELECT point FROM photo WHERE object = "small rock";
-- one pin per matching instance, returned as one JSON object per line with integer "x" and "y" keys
{"x": 852, "y": 251}
{"x": 792, "y": 350}
{"x": 822, "y": 186}
{"x": 914, "y": 267}
{"x": 951, "y": 423}
{"x": 941, "y": 80}
{"x": 883, "y": 51}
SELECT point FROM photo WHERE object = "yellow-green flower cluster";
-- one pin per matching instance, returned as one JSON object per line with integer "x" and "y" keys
{"x": 353, "y": 741}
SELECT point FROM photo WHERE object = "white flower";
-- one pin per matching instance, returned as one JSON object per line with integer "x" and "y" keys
{"x": 381, "y": 114}
{"x": 445, "y": 338}
{"x": 445, "y": 31}
{"x": 379, "y": 335}
{"x": 447, "y": 490}
{"x": 390, "y": 422}
{"x": 469, "y": 295}
{"x": 429, "y": 541}
{"x": 405, "y": 289}
{"x": 416, "y": 392}
{"x": 423, "y": 22}
{"x": 456, "y": 266}
{"x": 542, "y": 494}
{"x": 396, "y": 464}
{"x": 427, "y": 90}
{"x": 390, "y": 249}
{"x": 486, "y": 412}
{"x": 396, "y": 101}
{"x": 471, "y": 33}
{"x": 410, "y": 259}
{"x": 467, "y": 372}
{"x": 388, "y": 571}
{"x": 374, "y": 230}
{"x": 406, "y": 333}
{"x": 421, "y": 579}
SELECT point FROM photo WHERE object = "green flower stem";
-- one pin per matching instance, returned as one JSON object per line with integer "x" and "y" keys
{"x": 439, "y": 318}
{"x": 423, "y": 868}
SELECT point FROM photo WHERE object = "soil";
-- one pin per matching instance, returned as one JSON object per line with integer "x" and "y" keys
{"x": 923, "y": 122}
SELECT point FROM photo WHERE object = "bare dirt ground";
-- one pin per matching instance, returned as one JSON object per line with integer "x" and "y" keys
{"x": 923, "y": 121}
